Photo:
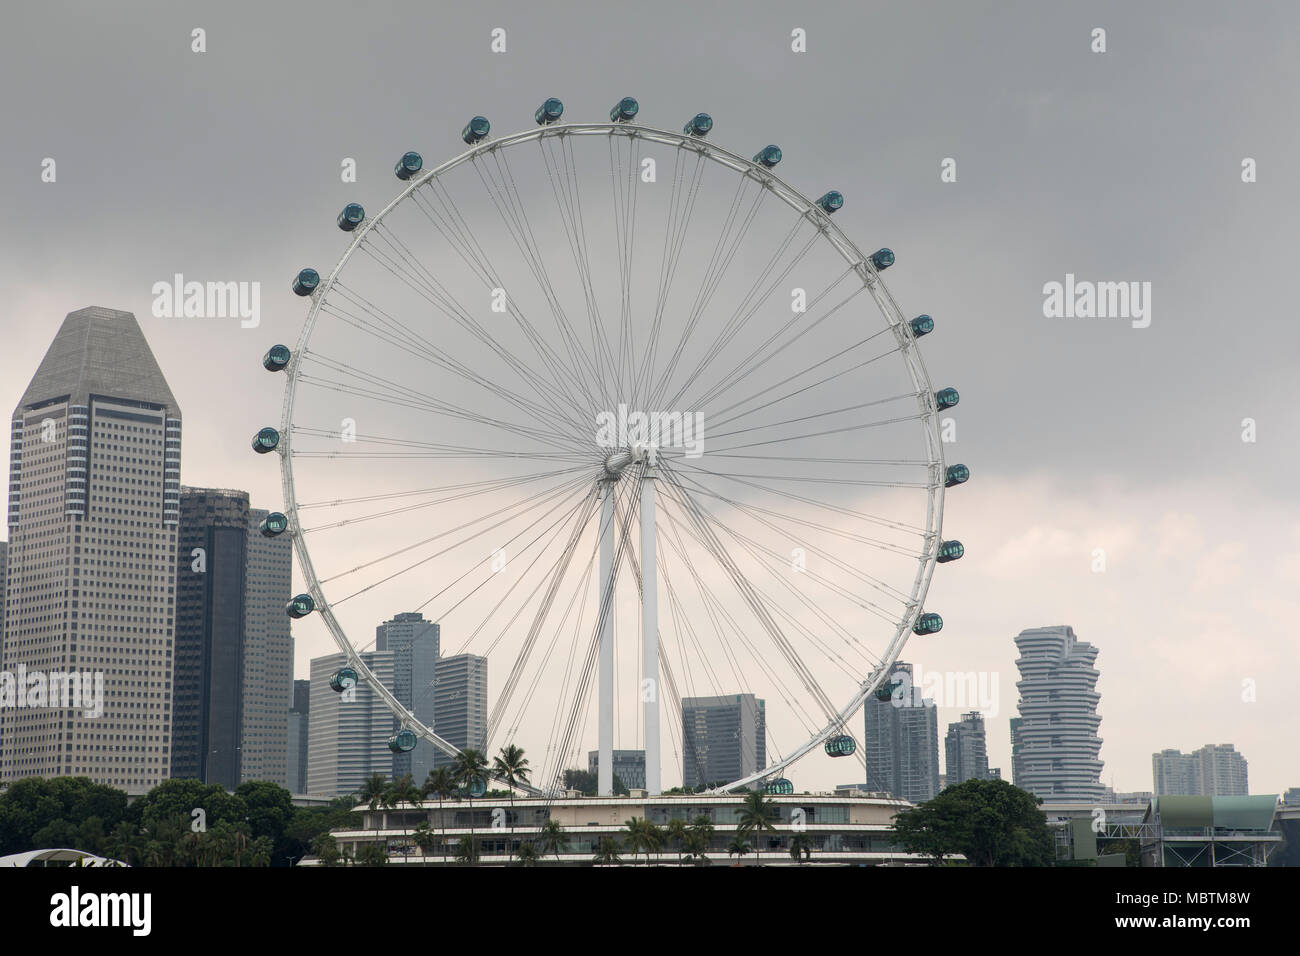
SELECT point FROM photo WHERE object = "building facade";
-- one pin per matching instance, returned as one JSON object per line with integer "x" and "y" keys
{"x": 208, "y": 683}
{"x": 966, "y": 750}
{"x": 460, "y": 704}
{"x": 1056, "y": 747}
{"x": 901, "y": 741}
{"x": 413, "y": 642}
{"x": 94, "y": 502}
{"x": 723, "y": 738}
{"x": 299, "y": 727}
{"x": 629, "y": 767}
{"x": 347, "y": 737}
{"x": 268, "y": 655}
{"x": 1215, "y": 770}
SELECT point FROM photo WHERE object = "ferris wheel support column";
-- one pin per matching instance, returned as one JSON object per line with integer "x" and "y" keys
{"x": 605, "y": 769}
{"x": 650, "y": 629}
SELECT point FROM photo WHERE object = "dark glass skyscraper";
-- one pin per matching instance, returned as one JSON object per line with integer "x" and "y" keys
{"x": 413, "y": 642}
{"x": 901, "y": 743}
{"x": 723, "y": 738}
{"x": 208, "y": 688}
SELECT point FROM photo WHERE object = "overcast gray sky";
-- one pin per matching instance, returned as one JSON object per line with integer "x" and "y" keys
{"x": 1082, "y": 433}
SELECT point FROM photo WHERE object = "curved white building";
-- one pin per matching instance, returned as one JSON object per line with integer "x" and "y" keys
{"x": 1055, "y": 745}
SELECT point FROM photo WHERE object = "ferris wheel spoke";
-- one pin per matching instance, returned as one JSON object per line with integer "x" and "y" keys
{"x": 837, "y": 509}
{"x": 423, "y": 349}
{"x": 548, "y": 392}
{"x": 530, "y": 502}
{"x": 510, "y": 209}
{"x": 748, "y": 366}
{"x": 751, "y": 597}
{"x": 748, "y": 307}
{"x": 434, "y": 449}
{"x": 724, "y": 252}
{"x": 718, "y": 616}
{"x": 757, "y": 515}
{"x": 410, "y": 398}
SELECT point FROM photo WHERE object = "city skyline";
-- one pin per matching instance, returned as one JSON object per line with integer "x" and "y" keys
{"x": 1102, "y": 443}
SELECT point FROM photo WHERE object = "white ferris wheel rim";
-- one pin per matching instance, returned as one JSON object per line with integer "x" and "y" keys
{"x": 846, "y": 248}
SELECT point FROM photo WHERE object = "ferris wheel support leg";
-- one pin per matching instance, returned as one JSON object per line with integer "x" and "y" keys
{"x": 650, "y": 630}
{"x": 605, "y": 770}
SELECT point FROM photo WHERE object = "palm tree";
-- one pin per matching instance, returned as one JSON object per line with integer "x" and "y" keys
{"x": 551, "y": 837}
{"x": 423, "y": 837}
{"x": 441, "y": 783}
{"x": 511, "y": 766}
{"x": 635, "y": 840}
{"x": 470, "y": 769}
{"x": 738, "y": 846}
{"x": 372, "y": 791}
{"x": 653, "y": 837}
{"x": 676, "y": 831}
{"x": 756, "y": 815}
{"x": 467, "y": 851}
{"x": 800, "y": 848}
{"x": 696, "y": 847}
{"x": 607, "y": 852}
{"x": 527, "y": 854}
{"x": 404, "y": 790}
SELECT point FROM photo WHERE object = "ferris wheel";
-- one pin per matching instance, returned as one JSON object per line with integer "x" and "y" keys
{"x": 636, "y": 424}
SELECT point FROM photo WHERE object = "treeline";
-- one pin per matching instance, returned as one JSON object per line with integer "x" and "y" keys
{"x": 178, "y": 823}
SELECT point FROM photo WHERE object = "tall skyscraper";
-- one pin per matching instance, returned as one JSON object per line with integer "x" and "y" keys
{"x": 4, "y": 570}
{"x": 966, "y": 750}
{"x": 208, "y": 686}
{"x": 723, "y": 738}
{"x": 94, "y": 500}
{"x": 1056, "y": 750}
{"x": 1215, "y": 770}
{"x": 268, "y": 655}
{"x": 901, "y": 741}
{"x": 413, "y": 642}
{"x": 460, "y": 704}
{"x": 347, "y": 738}
{"x": 299, "y": 726}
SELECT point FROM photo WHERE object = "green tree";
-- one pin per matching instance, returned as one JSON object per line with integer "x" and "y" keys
{"x": 511, "y": 766}
{"x": 441, "y": 783}
{"x": 468, "y": 851}
{"x": 403, "y": 790}
{"x": 326, "y": 849}
{"x": 469, "y": 771}
{"x": 757, "y": 814}
{"x": 696, "y": 845}
{"x": 424, "y": 838}
{"x": 372, "y": 853}
{"x": 676, "y": 832}
{"x": 990, "y": 822}
{"x": 607, "y": 852}
{"x": 800, "y": 848}
{"x": 551, "y": 837}
{"x": 527, "y": 854}
{"x": 738, "y": 846}
{"x": 372, "y": 791}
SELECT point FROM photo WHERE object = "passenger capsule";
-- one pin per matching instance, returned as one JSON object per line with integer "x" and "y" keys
{"x": 922, "y": 325}
{"x": 343, "y": 678}
{"x": 946, "y": 398}
{"x": 305, "y": 282}
{"x": 351, "y": 216}
{"x": 300, "y": 606}
{"x": 266, "y": 440}
{"x": 955, "y": 475}
{"x": 403, "y": 742}
{"x": 831, "y": 201}
{"x": 475, "y": 130}
{"x": 408, "y": 165}
{"x": 885, "y": 692}
{"x": 882, "y": 259}
{"x": 699, "y": 125}
{"x": 549, "y": 112}
{"x": 928, "y": 624}
{"x": 949, "y": 551}
{"x": 273, "y": 524}
{"x": 768, "y": 156}
{"x": 841, "y": 746}
{"x": 475, "y": 789}
{"x": 276, "y": 359}
{"x": 624, "y": 110}
{"x": 779, "y": 786}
